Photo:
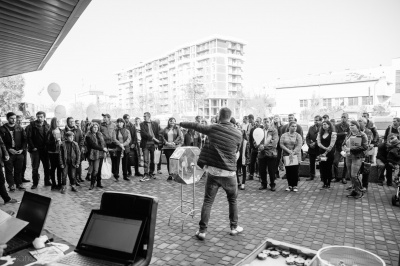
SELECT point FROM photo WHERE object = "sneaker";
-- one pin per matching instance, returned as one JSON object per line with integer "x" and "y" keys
{"x": 236, "y": 231}
{"x": 364, "y": 189}
{"x": 262, "y": 188}
{"x": 352, "y": 194}
{"x": 34, "y": 186}
{"x": 200, "y": 236}
{"x": 295, "y": 189}
{"x": 11, "y": 201}
{"x": 126, "y": 178}
{"x": 273, "y": 187}
{"x": 77, "y": 183}
{"x": 323, "y": 187}
{"x": 169, "y": 178}
{"x": 288, "y": 189}
{"x": 242, "y": 187}
{"x": 63, "y": 189}
{"x": 144, "y": 178}
{"x": 159, "y": 172}
{"x": 53, "y": 187}
{"x": 138, "y": 174}
{"x": 21, "y": 188}
{"x": 359, "y": 195}
{"x": 153, "y": 176}
{"x": 349, "y": 188}
{"x": 116, "y": 178}
{"x": 73, "y": 188}
{"x": 12, "y": 188}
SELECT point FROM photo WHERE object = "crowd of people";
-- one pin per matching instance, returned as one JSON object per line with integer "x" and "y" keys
{"x": 62, "y": 150}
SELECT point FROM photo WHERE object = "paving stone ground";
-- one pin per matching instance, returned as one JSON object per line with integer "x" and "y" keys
{"x": 311, "y": 218}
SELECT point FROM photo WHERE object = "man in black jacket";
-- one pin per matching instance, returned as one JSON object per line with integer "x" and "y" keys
{"x": 342, "y": 129}
{"x": 313, "y": 149}
{"x": 149, "y": 132}
{"x": 3, "y": 191}
{"x": 219, "y": 159}
{"x": 23, "y": 179}
{"x": 36, "y": 133}
{"x": 14, "y": 138}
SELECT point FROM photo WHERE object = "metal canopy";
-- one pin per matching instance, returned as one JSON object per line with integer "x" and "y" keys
{"x": 31, "y": 31}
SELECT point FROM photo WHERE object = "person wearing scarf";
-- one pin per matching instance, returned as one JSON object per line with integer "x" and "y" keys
{"x": 122, "y": 139}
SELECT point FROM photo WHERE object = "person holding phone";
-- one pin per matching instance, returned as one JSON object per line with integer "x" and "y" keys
{"x": 14, "y": 138}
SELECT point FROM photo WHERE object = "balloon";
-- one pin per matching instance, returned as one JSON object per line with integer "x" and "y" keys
{"x": 60, "y": 112}
{"x": 54, "y": 91}
{"x": 258, "y": 135}
{"x": 91, "y": 111}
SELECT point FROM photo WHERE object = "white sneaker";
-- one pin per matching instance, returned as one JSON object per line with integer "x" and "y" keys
{"x": 242, "y": 187}
{"x": 200, "y": 236}
{"x": 144, "y": 178}
{"x": 288, "y": 189}
{"x": 236, "y": 231}
{"x": 295, "y": 189}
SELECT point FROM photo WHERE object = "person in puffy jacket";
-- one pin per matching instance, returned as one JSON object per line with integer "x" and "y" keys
{"x": 69, "y": 161}
{"x": 172, "y": 138}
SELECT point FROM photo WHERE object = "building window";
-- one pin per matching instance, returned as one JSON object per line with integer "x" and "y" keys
{"x": 339, "y": 101}
{"x": 367, "y": 100}
{"x": 397, "y": 82}
{"x": 353, "y": 101}
{"x": 327, "y": 102}
{"x": 303, "y": 103}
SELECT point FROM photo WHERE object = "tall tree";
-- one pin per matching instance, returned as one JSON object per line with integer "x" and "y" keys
{"x": 195, "y": 92}
{"x": 11, "y": 93}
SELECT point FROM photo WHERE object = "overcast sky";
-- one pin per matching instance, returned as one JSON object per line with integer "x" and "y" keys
{"x": 284, "y": 38}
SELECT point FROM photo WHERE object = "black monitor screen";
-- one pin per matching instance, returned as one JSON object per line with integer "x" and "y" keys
{"x": 113, "y": 233}
{"x": 33, "y": 209}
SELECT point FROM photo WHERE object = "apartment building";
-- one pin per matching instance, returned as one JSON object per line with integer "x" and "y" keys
{"x": 196, "y": 79}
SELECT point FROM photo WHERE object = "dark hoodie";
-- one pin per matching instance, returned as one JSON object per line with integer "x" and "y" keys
{"x": 394, "y": 154}
{"x": 36, "y": 135}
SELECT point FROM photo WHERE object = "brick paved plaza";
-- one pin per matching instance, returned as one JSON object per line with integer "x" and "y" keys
{"x": 309, "y": 218}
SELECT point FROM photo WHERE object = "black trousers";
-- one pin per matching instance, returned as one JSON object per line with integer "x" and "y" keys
{"x": 3, "y": 191}
{"x": 37, "y": 157}
{"x": 265, "y": 164}
{"x": 253, "y": 161}
{"x": 168, "y": 153}
{"x": 292, "y": 175}
{"x": 312, "y": 158}
{"x": 278, "y": 159}
{"x": 24, "y": 165}
{"x": 116, "y": 160}
{"x": 240, "y": 167}
{"x": 325, "y": 168}
{"x": 13, "y": 169}
{"x": 55, "y": 166}
{"x": 70, "y": 171}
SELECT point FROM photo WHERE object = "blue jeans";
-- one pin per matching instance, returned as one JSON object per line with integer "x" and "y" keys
{"x": 148, "y": 157}
{"x": 213, "y": 183}
{"x": 353, "y": 166}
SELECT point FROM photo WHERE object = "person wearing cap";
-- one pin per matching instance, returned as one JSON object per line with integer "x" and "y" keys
{"x": 122, "y": 139}
{"x": 69, "y": 160}
{"x": 149, "y": 134}
{"x": 354, "y": 145}
{"x": 107, "y": 128}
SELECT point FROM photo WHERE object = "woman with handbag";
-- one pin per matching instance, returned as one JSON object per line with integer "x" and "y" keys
{"x": 291, "y": 143}
{"x": 326, "y": 140}
{"x": 53, "y": 143}
{"x": 172, "y": 138}
{"x": 267, "y": 154}
{"x": 95, "y": 146}
{"x": 355, "y": 145}
{"x": 122, "y": 138}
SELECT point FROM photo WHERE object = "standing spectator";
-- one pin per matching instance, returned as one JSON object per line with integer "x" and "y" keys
{"x": 131, "y": 128}
{"x": 250, "y": 125}
{"x": 245, "y": 123}
{"x": 14, "y": 138}
{"x": 23, "y": 179}
{"x": 382, "y": 162}
{"x": 393, "y": 157}
{"x": 36, "y": 133}
{"x": 77, "y": 124}
{"x": 203, "y": 137}
{"x": 95, "y": 145}
{"x": 313, "y": 149}
{"x": 285, "y": 128}
{"x": 79, "y": 138}
{"x": 278, "y": 164}
{"x": 219, "y": 160}
{"x": 326, "y": 140}
{"x": 370, "y": 125}
{"x": 69, "y": 160}
{"x": 122, "y": 139}
{"x": 394, "y": 128}
{"x": 326, "y": 118}
{"x": 137, "y": 148}
{"x": 3, "y": 191}
{"x": 243, "y": 159}
{"x": 354, "y": 157}
{"x": 192, "y": 138}
{"x": 159, "y": 146}
{"x": 253, "y": 153}
{"x": 107, "y": 128}
{"x": 149, "y": 133}
{"x": 172, "y": 138}
{"x": 267, "y": 154}
{"x": 342, "y": 130}
{"x": 368, "y": 158}
{"x": 291, "y": 143}
{"x": 53, "y": 144}
{"x": 213, "y": 120}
